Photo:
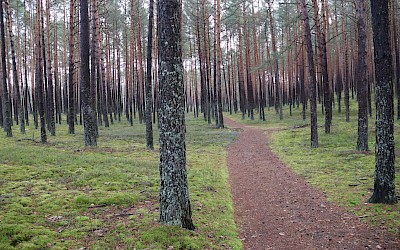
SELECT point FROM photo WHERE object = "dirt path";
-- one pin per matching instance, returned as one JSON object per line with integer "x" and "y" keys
{"x": 276, "y": 209}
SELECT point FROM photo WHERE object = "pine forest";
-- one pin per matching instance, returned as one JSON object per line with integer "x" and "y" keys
{"x": 199, "y": 124}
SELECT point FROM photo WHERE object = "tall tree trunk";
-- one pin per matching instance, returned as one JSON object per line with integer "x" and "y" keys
{"x": 338, "y": 74}
{"x": 50, "y": 88}
{"x": 249, "y": 80}
{"x": 57, "y": 78}
{"x": 218, "y": 64}
{"x": 71, "y": 74}
{"x": 384, "y": 185}
{"x": 346, "y": 77}
{"x": 174, "y": 194}
{"x": 89, "y": 115}
{"x": 93, "y": 67}
{"x": 242, "y": 95}
{"x": 396, "y": 50}
{"x": 18, "y": 102}
{"x": 6, "y": 98}
{"x": 278, "y": 92}
{"x": 149, "y": 97}
{"x": 39, "y": 74}
{"x": 324, "y": 65}
{"x": 362, "y": 83}
{"x": 311, "y": 74}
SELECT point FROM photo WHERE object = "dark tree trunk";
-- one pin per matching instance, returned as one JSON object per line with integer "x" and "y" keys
{"x": 346, "y": 77}
{"x": 71, "y": 81}
{"x": 362, "y": 83}
{"x": 218, "y": 66}
{"x": 278, "y": 93}
{"x": 384, "y": 185}
{"x": 174, "y": 194}
{"x": 89, "y": 115}
{"x": 149, "y": 98}
{"x": 39, "y": 76}
{"x": 311, "y": 75}
{"x": 242, "y": 95}
{"x": 324, "y": 66}
{"x": 18, "y": 101}
{"x": 93, "y": 67}
{"x": 50, "y": 88}
{"x": 6, "y": 98}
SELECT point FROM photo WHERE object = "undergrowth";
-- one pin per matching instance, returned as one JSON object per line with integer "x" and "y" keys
{"x": 62, "y": 195}
{"x": 345, "y": 175}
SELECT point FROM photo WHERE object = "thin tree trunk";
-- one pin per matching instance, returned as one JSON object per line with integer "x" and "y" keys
{"x": 324, "y": 66}
{"x": 39, "y": 74}
{"x": 218, "y": 66}
{"x": 346, "y": 77}
{"x": 278, "y": 92}
{"x": 362, "y": 83}
{"x": 50, "y": 88}
{"x": 311, "y": 72}
{"x": 71, "y": 74}
{"x": 149, "y": 98}
{"x": 19, "y": 102}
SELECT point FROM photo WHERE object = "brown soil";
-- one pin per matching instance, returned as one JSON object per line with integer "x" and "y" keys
{"x": 276, "y": 209}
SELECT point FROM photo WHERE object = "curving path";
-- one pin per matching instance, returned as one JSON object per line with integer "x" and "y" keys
{"x": 276, "y": 209}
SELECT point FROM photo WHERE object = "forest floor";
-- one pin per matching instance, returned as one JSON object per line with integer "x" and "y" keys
{"x": 276, "y": 209}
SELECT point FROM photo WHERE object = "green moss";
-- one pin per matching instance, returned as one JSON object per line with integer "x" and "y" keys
{"x": 64, "y": 196}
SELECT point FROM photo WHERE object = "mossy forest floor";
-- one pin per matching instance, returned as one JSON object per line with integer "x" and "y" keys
{"x": 62, "y": 195}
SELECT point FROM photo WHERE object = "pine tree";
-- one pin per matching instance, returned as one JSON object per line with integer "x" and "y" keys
{"x": 174, "y": 194}
{"x": 384, "y": 186}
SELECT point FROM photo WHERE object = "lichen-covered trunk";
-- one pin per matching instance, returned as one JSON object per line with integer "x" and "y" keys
{"x": 89, "y": 114}
{"x": 174, "y": 194}
{"x": 384, "y": 185}
{"x": 362, "y": 83}
{"x": 311, "y": 74}
{"x": 7, "y": 104}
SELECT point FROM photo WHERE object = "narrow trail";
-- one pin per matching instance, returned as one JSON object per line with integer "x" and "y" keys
{"x": 276, "y": 209}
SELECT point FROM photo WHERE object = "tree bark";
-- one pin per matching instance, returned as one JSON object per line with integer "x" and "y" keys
{"x": 362, "y": 83}
{"x": 278, "y": 92}
{"x": 6, "y": 98}
{"x": 89, "y": 115}
{"x": 218, "y": 64}
{"x": 71, "y": 82}
{"x": 149, "y": 97}
{"x": 50, "y": 88}
{"x": 39, "y": 74}
{"x": 346, "y": 77}
{"x": 174, "y": 194}
{"x": 384, "y": 185}
{"x": 311, "y": 74}
{"x": 18, "y": 102}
